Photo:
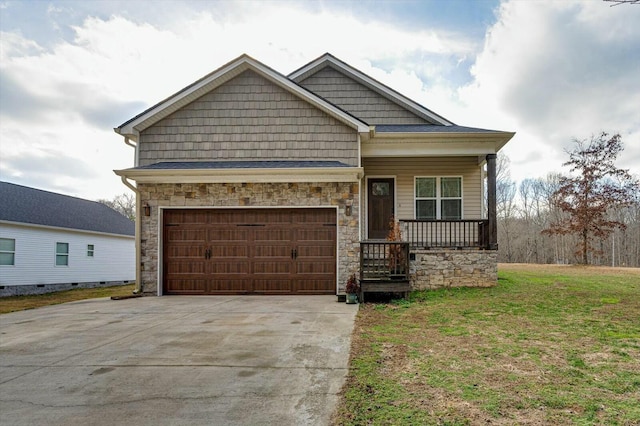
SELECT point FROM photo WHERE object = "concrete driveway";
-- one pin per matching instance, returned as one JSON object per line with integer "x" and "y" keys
{"x": 220, "y": 360}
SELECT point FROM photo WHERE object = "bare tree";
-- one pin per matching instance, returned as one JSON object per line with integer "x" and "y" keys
{"x": 505, "y": 205}
{"x": 124, "y": 203}
{"x": 619, "y": 2}
{"x": 587, "y": 197}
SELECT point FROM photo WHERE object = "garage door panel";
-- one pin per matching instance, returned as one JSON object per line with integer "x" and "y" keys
{"x": 283, "y": 251}
{"x": 186, "y": 252}
{"x": 316, "y": 252}
{"x": 185, "y": 235}
{"x": 317, "y": 216}
{"x": 180, "y": 267}
{"x": 230, "y": 267}
{"x": 186, "y": 286}
{"x": 272, "y": 286}
{"x": 238, "y": 251}
{"x": 272, "y": 234}
{"x": 227, "y": 234}
{"x": 318, "y": 234}
{"x": 228, "y": 286}
{"x": 321, "y": 268}
{"x": 311, "y": 285}
{"x": 271, "y": 268}
{"x": 228, "y": 250}
{"x": 185, "y": 217}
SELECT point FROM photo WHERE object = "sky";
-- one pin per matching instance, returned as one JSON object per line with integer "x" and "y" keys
{"x": 551, "y": 71}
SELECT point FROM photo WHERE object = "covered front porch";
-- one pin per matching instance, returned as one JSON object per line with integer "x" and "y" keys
{"x": 429, "y": 253}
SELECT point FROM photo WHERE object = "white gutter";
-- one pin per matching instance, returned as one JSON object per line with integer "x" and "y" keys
{"x": 270, "y": 175}
{"x": 138, "y": 287}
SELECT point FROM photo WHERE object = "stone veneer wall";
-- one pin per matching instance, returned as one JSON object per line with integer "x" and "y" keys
{"x": 433, "y": 269}
{"x": 250, "y": 195}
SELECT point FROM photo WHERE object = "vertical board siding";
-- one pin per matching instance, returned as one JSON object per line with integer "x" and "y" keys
{"x": 248, "y": 118}
{"x": 113, "y": 258}
{"x": 406, "y": 169}
{"x": 358, "y": 99}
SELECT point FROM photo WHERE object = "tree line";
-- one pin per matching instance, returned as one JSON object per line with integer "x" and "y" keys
{"x": 590, "y": 215}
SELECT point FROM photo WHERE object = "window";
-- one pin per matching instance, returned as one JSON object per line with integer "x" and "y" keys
{"x": 90, "y": 250}
{"x": 438, "y": 198}
{"x": 7, "y": 251}
{"x": 62, "y": 254}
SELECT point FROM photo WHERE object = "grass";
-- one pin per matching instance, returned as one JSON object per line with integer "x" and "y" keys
{"x": 547, "y": 345}
{"x": 20, "y": 303}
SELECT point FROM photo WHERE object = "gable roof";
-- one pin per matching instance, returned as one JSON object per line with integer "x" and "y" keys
{"x": 328, "y": 60}
{"x": 209, "y": 82}
{"x": 21, "y": 204}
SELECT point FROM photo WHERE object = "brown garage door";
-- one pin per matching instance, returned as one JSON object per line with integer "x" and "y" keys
{"x": 249, "y": 251}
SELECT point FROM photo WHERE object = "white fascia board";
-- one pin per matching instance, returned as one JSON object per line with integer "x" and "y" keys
{"x": 221, "y": 76}
{"x": 370, "y": 82}
{"x": 435, "y": 144}
{"x": 60, "y": 228}
{"x": 280, "y": 175}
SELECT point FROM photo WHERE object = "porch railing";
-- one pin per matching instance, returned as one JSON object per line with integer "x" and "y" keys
{"x": 382, "y": 260}
{"x": 456, "y": 234}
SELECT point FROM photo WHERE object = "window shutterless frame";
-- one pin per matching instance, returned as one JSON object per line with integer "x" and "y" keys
{"x": 438, "y": 197}
{"x": 62, "y": 254}
{"x": 7, "y": 251}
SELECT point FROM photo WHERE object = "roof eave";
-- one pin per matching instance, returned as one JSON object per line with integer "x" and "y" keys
{"x": 62, "y": 228}
{"x": 244, "y": 175}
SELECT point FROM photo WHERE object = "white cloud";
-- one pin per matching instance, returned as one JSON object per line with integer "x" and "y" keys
{"x": 553, "y": 71}
{"x": 548, "y": 70}
{"x": 71, "y": 95}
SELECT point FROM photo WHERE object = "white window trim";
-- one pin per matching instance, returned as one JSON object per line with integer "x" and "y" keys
{"x": 91, "y": 250}
{"x": 438, "y": 198}
{"x": 55, "y": 258}
{"x": 10, "y": 252}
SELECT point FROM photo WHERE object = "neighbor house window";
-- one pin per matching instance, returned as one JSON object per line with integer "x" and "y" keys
{"x": 438, "y": 198}
{"x": 89, "y": 250}
{"x": 62, "y": 254}
{"x": 7, "y": 251}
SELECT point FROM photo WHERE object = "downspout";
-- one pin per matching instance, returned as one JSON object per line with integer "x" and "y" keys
{"x": 135, "y": 150}
{"x": 138, "y": 288}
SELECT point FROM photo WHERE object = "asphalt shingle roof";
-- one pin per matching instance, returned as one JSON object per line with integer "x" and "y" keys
{"x": 186, "y": 165}
{"x": 29, "y": 205}
{"x": 428, "y": 128}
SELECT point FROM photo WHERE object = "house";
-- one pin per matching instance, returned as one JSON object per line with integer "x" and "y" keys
{"x": 51, "y": 242}
{"x": 252, "y": 182}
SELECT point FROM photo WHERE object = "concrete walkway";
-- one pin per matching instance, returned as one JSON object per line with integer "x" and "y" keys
{"x": 179, "y": 360}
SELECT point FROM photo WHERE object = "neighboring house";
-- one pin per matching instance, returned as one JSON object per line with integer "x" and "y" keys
{"x": 253, "y": 182}
{"x": 51, "y": 242}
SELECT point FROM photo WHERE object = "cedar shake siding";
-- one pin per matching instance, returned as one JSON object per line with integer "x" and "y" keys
{"x": 248, "y": 118}
{"x": 357, "y": 99}
{"x": 406, "y": 169}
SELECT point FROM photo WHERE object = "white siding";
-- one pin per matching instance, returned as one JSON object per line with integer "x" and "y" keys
{"x": 113, "y": 258}
{"x": 406, "y": 169}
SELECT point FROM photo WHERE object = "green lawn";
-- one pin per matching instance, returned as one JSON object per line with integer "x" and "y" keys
{"x": 20, "y": 303}
{"x": 547, "y": 345}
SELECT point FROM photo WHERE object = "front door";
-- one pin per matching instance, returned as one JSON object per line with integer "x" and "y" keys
{"x": 380, "y": 196}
